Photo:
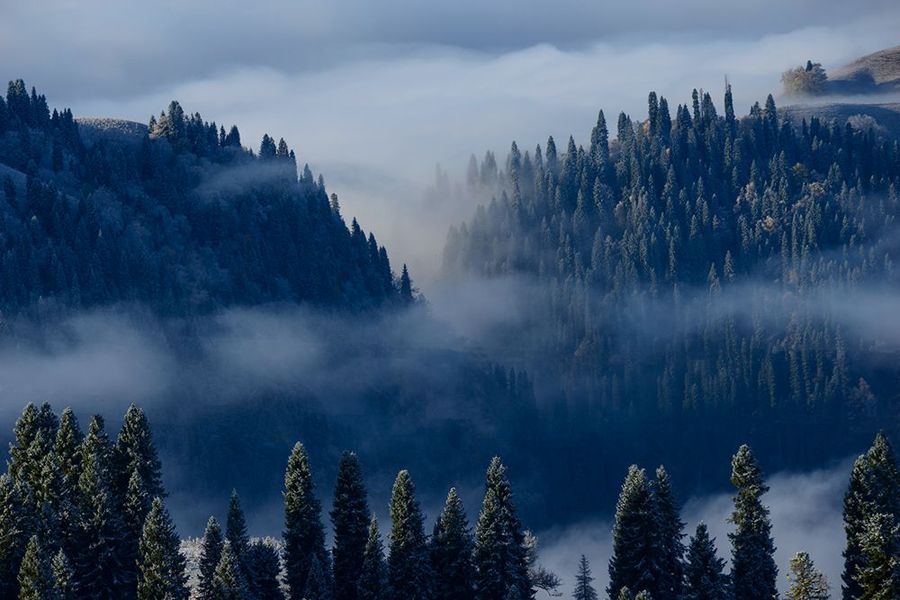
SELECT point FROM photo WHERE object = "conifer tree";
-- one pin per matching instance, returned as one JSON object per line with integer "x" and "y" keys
{"x": 406, "y": 294}
{"x": 350, "y": 520}
{"x": 373, "y": 578}
{"x": 501, "y": 563}
{"x": 408, "y": 574}
{"x": 13, "y": 531}
{"x": 265, "y": 568}
{"x": 134, "y": 450}
{"x": 63, "y": 577}
{"x": 229, "y": 580}
{"x": 879, "y": 574}
{"x": 304, "y": 537}
{"x": 35, "y": 579}
{"x": 236, "y": 530}
{"x": 210, "y": 555}
{"x": 634, "y": 561}
{"x": 753, "y": 570}
{"x": 806, "y": 582}
{"x": 161, "y": 566}
{"x": 704, "y": 578}
{"x": 68, "y": 454}
{"x": 584, "y": 589}
{"x": 670, "y": 530}
{"x": 316, "y": 584}
{"x": 136, "y": 505}
{"x": 98, "y": 568}
{"x": 451, "y": 552}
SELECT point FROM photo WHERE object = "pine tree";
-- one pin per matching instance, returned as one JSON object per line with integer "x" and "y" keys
{"x": 451, "y": 552}
{"x": 98, "y": 566}
{"x": 265, "y": 568}
{"x": 134, "y": 450}
{"x": 350, "y": 520}
{"x": 304, "y": 537}
{"x": 14, "y": 533}
{"x": 35, "y": 579}
{"x": 236, "y": 530}
{"x": 501, "y": 563}
{"x": 807, "y": 583}
{"x": 704, "y": 578}
{"x": 210, "y": 556}
{"x": 670, "y": 530}
{"x": 584, "y": 590}
{"x": 229, "y": 580}
{"x": 136, "y": 506}
{"x": 316, "y": 584}
{"x": 373, "y": 578}
{"x": 753, "y": 570}
{"x": 161, "y": 566}
{"x": 68, "y": 455}
{"x": 406, "y": 293}
{"x": 879, "y": 574}
{"x": 63, "y": 577}
{"x": 635, "y": 537}
{"x": 408, "y": 575}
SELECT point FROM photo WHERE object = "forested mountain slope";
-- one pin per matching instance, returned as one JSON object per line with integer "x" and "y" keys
{"x": 701, "y": 268}
{"x": 177, "y": 215}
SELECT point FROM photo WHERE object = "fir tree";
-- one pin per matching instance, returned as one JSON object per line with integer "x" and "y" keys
{"x": 350, "y": 520}
{"x": 161, "y": 567}
{"x": 68, "y": 456}
{"x": 704, "y": 578}
{"x": 265, "y": 568}
{"x": 634, "y": 562}
{"x": 13, "y": 536}
{"x": 500, "y": 558}
{"x": 134, "y": 451}
{"x": 879, "y": 574}
{"x": 210, "y": 556}
{"x": 373, "y": 578}
{"x": 35, "y": 579}
{"x": 451, "y": 552}
{"x": 584, "y": 589}
{"x": 406, "y": 292}
{"x": 304, "y": 537}
{"x": 408, "y": 575}
{"x": 236, "y": 529}
{"x": 670, "y": 531}
{"x": 806, "y": 582}
{"x": 136, "y": 506}
{"x": 63, "y": 577}
{"x": 316, "y": 583}
{"x": 753, "y": 570}
{"x": 229, "y": 580}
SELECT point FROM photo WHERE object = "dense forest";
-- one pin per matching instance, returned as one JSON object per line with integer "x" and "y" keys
{"x": 183, "y": 219}
{"x": 699, "y": 269}
{"x": 83, "y": 516}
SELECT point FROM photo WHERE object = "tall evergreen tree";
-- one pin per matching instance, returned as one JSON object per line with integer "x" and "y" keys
{"x": 635, "y": 555}
{"x": 806, "y": 582}
{"x": 230, "y": 583}
{"x": 350, "y": 521}
{"x": 236, "y": 530}
{"x": 134, "y": 450}
{"x": 265, "y": 568}
{"x": 13, "y": 532}
{"x": 63, "y": 577}
{"x": 451, "y": 547}
{"x": 304, "y": 537}
{"x": 501, "y": 564}
{"x": 753, "y": 570}
{"x": 161, "y": 566}
{"x": 879, "y": 573}
{"x": 316, "y": 583}
{"x": 408, "y": 573}
{"x": 373, "y": 578}
{"x": 68, "y": 453}
{"x": 136, "y": 505}
{"x": 671, "y": 548}
{"x": 704, "y": 577}
{"x": 584, "y": 589}
{"x": 210, "y": 555}
{"x": 35, "y": 579}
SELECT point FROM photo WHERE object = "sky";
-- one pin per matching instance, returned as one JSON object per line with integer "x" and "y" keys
{"x": 375, "y": 95}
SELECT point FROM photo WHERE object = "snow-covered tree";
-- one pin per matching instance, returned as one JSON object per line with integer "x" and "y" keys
{"x": 304, "y": 536}
{"x": 806, "y": 582}
{"x": 753, "y": 570}
{"x": 704, "y": 578}
{"x": 408, "y": 572}
{"x": 451, "y": 552}
{"x": 373, "y": 578}
{"x": 161, "y": 566}
{"x": 210, "y": 555}
{"x": 634, "y": 562}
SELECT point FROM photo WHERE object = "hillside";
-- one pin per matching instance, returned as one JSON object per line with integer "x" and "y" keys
{"x": 878, "y": 72}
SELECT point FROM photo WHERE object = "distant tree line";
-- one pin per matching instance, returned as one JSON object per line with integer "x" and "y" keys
{"x": 82, "y": 516}
{"x": 183, "y": 219}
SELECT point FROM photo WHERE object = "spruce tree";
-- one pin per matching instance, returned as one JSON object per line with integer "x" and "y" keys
{"x": 753, "y": 570}
{"x": 316, "y": 583}
{"x": 98, "y": 567}
{"x": 408, "y": 574}
{"x": 373, "y": 578}
{"x": 161, "y": 566}
{"x": 136, "y": 505}
{"x": 879, "y": 574}
{"x": 350, "y": 520}
{"x": 13, "y": 532}
{"x": 635, "y": 552}
{"x": 236, "y": 530}
{"x": 584, "y": 589}
{"x": 451, "y": 552}
{"x": 304, "y": 537}
{"x": 134, "y": 450}
{"x": 704, "y": 578}
{"x": 670, "y": 531}
{"x": 63, "y": 577}
{"x": 35, "y": 579}
{"x": 806, "y": 582}
{"x": 501, "y": 563}
{"x": 69, "y": 438}
{"x": 230, "y": 582}
{"x": 210, "y": 555}
{"x": 265, "y": 568}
